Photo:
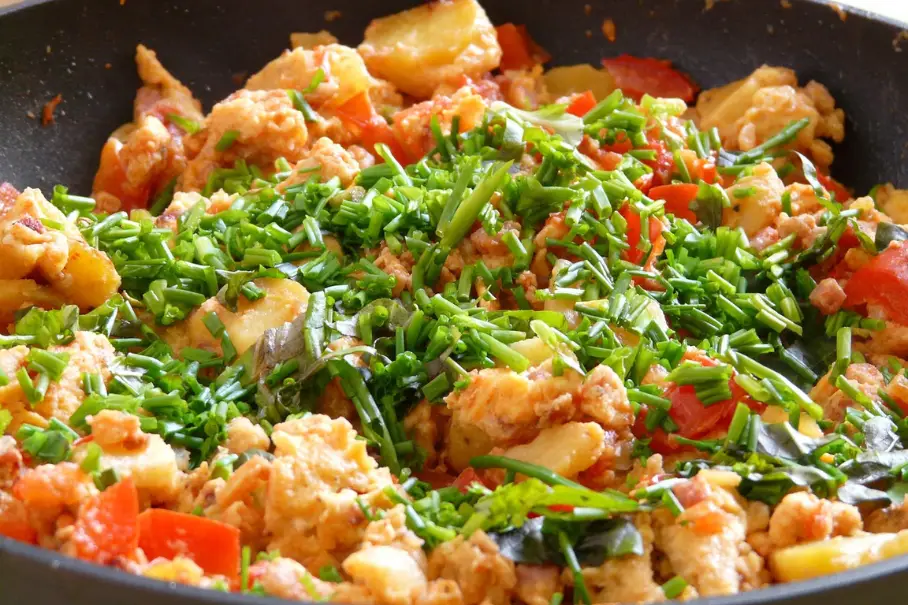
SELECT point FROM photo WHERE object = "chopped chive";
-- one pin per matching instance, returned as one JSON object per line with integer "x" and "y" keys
{"x": 227, "y": 140}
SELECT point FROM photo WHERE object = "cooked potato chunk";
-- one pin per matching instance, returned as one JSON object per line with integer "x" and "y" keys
{"x": 284, "y": 300}
{"x": 345, "y": 74}
{"x": 88, "y": 352}
{"x": 567, "y": 449}
{"x": 563, "y": 81}
{"x": 761, "y": 207}
{"x": 893, "y": 202}
{"x": 750, "y": 111}
{"x": 419, "y": 49}
{"x": 16, "y": 294}
{"x": 61, "y": 258}
{"x": 151, "y": 463}
{"x": 389, "y": 573}
{"x": 311, "y": 40}
{"x": 721, "y": 107}
{"x": 834, "y": 555}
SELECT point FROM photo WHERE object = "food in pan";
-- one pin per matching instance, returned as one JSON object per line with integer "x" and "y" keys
{"x": 422, "y": 322}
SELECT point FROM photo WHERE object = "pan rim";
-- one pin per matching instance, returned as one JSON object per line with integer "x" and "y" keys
{"x": 777, "y": 593}
{"x": 119, "y": 580}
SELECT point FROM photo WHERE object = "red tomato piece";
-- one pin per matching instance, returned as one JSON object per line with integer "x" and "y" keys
{"x": 107, "y": 527}
{"x": 214, "y": 546}
{"x": 677, "y": 199}
{"x": 518, "y": 50}
{"x": 833, "y": 186}
{"x": 706, "y": 167}
{"x": 620, "y": 146}
{"x": 515, "y": 51}
{"x": 637, "y": 76}
{"x": 632, "y": 235}
{"x": 111, "y": 178}
{"x": 582, "y": 104}
{"x": 14, "y": 522}
{"x": 883, "y": 281}
{"x": 466, "y": 478}
{"x": 561, "y": 508}
{"x": 663, "y": 165}
{"x": 359, "y": 115}
{"x": 437, "y": 479}
{"x": 694, "y": 420}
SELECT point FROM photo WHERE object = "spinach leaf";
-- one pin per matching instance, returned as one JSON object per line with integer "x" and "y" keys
{"x": 887, "y": 233}
{"x": 528, "y": 544}
{"x": 784, "y": 441}
{"x": 536, "y": 541}
{"x": 397, "y": 315}
{"x": 608, "y": 539}
{"x": 869, "y": 467}
{"x": 879, "y": 435}
{"x": 855, "y": 493}
{"x": 711, "y": 200}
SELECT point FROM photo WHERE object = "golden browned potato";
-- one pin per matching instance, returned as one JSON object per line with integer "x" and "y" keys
{"x": 533, "y": 349}
{"x": 18, "y": 294}
{"x": 563, "y": 81}
{"x": 834, "y": 555}
{"x": 88, "y": 352}
{"x": 32, "y": 249}
{"x": 345, "y": 74}
{"x": 309, "y": 40}
{"x": 419, "y": 49}
{"x": 568, "y": 449}
{"x": 284, "y": 300}
{"x": 721, "y": 107}
{"x": 760, "y": 208}
{"x": 893, "y": 202}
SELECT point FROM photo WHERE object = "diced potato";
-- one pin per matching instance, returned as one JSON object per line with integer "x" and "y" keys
{"x": 567, "y": 449}
{"x": 563, "y": 81}
{"x": 421, "y": 48}
{"x": 759, "y": 209}
{"x": 16, "y": 294}
{"x": 345, "y": 74}
{"x": 311, "y": 40}
{"x": 533, "y": 349}
{"x": 834, "y": 555}
{"x": 893, "y": 202}
{"x": 464, "y": 442}
{"x": 774, "y": 414}
{"x": 180, "y": 570}
{"x": 61, "y": 258}
{"x": 721, "y": 107}
{"x": 389, "y": 573}
{"x": 153, "y": 468}
{"x": 284, "y": 300}
{"x": 90, "y": 279}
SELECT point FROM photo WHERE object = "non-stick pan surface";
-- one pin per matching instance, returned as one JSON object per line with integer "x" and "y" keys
{"x": 83, "y": 50}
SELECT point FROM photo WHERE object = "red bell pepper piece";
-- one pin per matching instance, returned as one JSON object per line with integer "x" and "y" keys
{"x": 107, "y": 527}
{"x": 883, "y": 281}
{"x": 637, "y": 76}
{"x": 214, "y": 546}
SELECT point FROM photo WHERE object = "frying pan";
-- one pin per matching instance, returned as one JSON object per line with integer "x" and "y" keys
{"x": 83, "y": 50}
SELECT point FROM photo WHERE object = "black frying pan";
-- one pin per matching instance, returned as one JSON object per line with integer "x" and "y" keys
{"x": 64, "y": 46}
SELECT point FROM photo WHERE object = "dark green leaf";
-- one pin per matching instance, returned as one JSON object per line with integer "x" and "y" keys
{"x": 887, "y": 233}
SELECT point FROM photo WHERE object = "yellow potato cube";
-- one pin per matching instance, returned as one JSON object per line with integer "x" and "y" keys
{"x": 837, "y": 554}
{"x": 419, "y": 49}
{"x": 563, "y": 81}
{"x": 567, "y": 449}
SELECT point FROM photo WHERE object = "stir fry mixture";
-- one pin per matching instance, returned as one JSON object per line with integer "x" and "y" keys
{"x": 422, "y": 323}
